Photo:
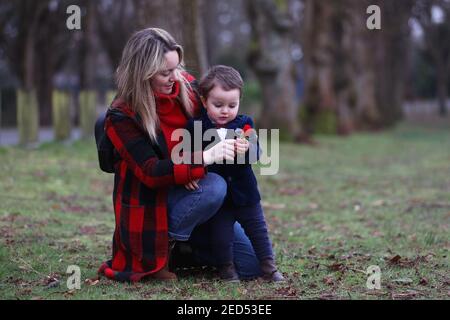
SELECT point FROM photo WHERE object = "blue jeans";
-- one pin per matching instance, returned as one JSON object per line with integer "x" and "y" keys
{"x": 188, "y": 213}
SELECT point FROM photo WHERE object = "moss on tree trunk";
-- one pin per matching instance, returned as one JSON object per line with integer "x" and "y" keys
{"x": 27, "y": 116}
{"x": 87, "y": 113}
{"x": 61, "y": 115}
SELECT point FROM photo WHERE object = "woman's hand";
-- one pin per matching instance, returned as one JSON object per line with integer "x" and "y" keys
{"x": 242, "y": 145}
{"x": 193, "y": 185}
{"x": 224, "y": 150}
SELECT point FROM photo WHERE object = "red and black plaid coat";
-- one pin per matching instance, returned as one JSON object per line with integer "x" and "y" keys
{"x": 143, "y": 173}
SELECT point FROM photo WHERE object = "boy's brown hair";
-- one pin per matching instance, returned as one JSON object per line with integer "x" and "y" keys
{"x": 227, "y": 77}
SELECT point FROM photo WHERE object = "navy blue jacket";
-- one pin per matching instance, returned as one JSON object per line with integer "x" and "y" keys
{"x": 241, "y": 181}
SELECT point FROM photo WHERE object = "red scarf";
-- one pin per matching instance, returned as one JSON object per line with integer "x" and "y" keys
{"x": 170, "y": 113}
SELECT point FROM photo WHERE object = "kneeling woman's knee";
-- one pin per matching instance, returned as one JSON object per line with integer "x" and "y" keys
{"x": 216, "y": 188}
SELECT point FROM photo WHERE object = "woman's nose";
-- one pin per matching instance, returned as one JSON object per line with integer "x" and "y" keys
{"x": 173, "y": 77}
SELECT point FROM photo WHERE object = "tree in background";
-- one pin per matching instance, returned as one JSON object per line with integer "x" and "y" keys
{"x": 116, "y": 21}
{"x": 354, "y": 76}
{"x": 436, "y": 35}
{"x": 392, "y": 50}
{"x": 319, "y": 108}
{"x": 193, "y": 37}
{"x": 35, "y": 42}
{"x": 271, "y": 61}
{"x": 52, "y": 50}
{"x": 181, "y": 18}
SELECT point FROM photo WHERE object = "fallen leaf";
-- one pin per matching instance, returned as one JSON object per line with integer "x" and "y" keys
{"x": 327, "y": 296}
{"x": 88, "y": 230}
{"x": 405, "y": 295}
{"x": 287, "y": 291}
{"x": 377, "y": 234}
{"x": 37, "y": 298}
{"x": 337, "y": 267}
{"x": 53, "y": 284}
{"x": 429, "y": 257}
{"x": 242, "y": 291}
{"x": 273, "y": 206}
{"x": 328, "y": 280}
{"x": 313, "y": 206}
{"x": 51, "y": 280}
{"x": 395, "y": 259}
{"x": 403, "y": 280}
{"x": 291, "y": 191}
{"x": 378, "y": 203}
{"x": 69, "y": 293}
{"x": 92, "y": 282}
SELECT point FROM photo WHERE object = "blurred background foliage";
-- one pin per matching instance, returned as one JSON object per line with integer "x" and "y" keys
{"x": 310, "y": 66}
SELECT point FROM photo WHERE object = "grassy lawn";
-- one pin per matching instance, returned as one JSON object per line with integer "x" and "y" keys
{"x": 333, "y": 210}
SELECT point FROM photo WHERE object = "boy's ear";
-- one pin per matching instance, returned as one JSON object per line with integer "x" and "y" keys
{"x": 203, "y": 100}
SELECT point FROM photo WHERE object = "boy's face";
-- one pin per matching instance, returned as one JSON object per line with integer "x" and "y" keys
{"x": 222, "y": 106}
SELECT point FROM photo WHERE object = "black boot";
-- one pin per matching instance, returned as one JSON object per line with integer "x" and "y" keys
{"x": 182, "y": 256}
{"x": 270, "y": 272}
{"x": 228, "y": 273}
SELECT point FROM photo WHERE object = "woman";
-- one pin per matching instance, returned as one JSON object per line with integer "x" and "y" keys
{"x": 157, "y": 202}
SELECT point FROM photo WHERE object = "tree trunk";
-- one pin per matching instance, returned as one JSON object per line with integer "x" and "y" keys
{"x": 87, "y": 54}
{"x": 320, "y": 102}
{"x": 27, "y": 108}
{"x": 88, "y": 112}
{"x": 61, "y": 115}
{"x": 165, "y": 14}
{"x": 87, "y": 97}
{"x": 271, "y": 62}
{"x": 362, "y": 98}
{"x": 27, "y": 117}
{"x": 29, "y": 58}
{"x": 44, "y": 88}
{"x": 115, "y": 23}
{"x": 442, "y": 86}
{"x": 393, "y": 45}
{"x": 194, "y": 37}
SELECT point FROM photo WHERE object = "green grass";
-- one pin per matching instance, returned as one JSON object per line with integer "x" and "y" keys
{"x": 333, "y": 210}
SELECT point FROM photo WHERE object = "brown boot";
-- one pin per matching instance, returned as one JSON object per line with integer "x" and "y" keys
{"x": 270, "y": 272}
{"x": 164, "y": 274}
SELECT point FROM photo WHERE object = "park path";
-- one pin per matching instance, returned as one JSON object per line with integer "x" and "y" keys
{"x": 422, "y": 110}
{"x": 10, "y": 136}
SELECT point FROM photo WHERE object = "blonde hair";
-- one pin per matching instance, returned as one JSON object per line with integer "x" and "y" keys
{"x": 142, "y": 59}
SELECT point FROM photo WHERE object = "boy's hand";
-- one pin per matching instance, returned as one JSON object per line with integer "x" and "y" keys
{"x": 192, "y": 185}
{"x": 219, "y": 153}
{"x": 242, "y": 146}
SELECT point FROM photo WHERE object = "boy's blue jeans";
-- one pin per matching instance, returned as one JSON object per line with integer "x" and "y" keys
{"x": 188, "y": 213}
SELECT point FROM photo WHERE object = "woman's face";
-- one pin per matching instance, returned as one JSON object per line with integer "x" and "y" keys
{"x": 163, "y": 81}
{"x": 222, "y": 106}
